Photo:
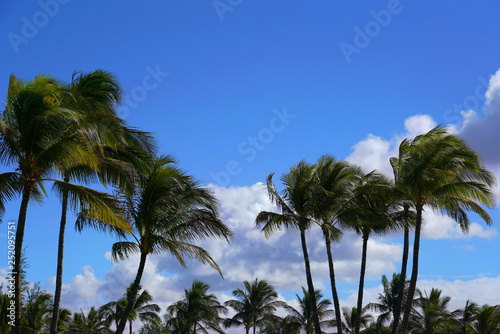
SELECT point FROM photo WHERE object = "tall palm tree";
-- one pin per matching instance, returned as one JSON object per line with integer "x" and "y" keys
{"x": 38, "y": 135}
{"x": 350, "y": 316}
{"x": 375, "y": 213}
{"x": 334, "y": 184}
{"x": 296, "y": 214}
{"x": 303, "y": 315}
{"x": 198, "y": 309}
{"x": 440, "y": 171}
{"x": 94, "y": 96}
{"x": 255, "y": 305}
{"x": 387, "y": 301}
{"x": 168, "y": 211}
{"x": 408, "y": 222}
{"x": 143, "y": 309}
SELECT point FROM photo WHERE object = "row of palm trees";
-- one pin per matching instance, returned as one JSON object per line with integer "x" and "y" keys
{"x": 70, "y": 135}
{"x": 435, "y": 170}
{"x": 255, "y": 307}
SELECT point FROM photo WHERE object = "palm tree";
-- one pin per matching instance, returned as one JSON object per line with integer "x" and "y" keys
{"x": 147, "y": 312}
{"x": 466, "y": 316}
{"x": 37, "y": 136}
{"x": 440, "y": 171}
{"x": 36, "y": 310}
{"x": 434, "y": 316}
{"x": 333, "y": 190}
{"x": 303, "y": 315}
{"x": 387, "y": 301}
{"x": 93, "y": 96}
{"x": 296, "y": 214}
{"x": 255, "y": 305}
{"x": 198, "y": 310}
{"x": 91, "y": 323}
{"x": 407, "y": 222}
{"x": 168, "y": 211}
{"x": 373, "y": 203}
{"x": 350, "y": 316}
{"x": 486, "y": 321}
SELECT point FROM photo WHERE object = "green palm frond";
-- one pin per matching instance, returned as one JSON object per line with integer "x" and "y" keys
{"x": 123, "y": 249}
{"x": 95, "y": 206}
{"x": 274, "y": 222}
{"x": 9, "y": 189}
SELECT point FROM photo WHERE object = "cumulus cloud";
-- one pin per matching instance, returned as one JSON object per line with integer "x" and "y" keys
{"x": 374, "y": 152}
{"x": 278, "y": 260}
{"x": 443, "y": 227}
{"x": 482, "y": 132}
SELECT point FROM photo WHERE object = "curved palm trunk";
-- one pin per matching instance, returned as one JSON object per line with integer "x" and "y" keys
{"x": 402, "y": 281}
{"x": 361, "y": 283}
{"x": 414, "y": 271}
{"x": 60, "y": 256}
{"x": 21, "y": 222}
{"x": 130, "y": 323}
{"x": 132, "y": 295}
{"x": 335, "y": 296}
{"x": 310, "y": 286}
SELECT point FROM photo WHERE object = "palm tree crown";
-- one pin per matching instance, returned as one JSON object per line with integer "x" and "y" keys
{"x": 198, "y": 310}
{"x": 255, "y": 305}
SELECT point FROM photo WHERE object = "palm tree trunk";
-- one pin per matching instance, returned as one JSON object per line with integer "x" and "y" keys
{"x": 130, "y": 323}
{"x": 194, "y": 329}
{"x": 60, "y": 256}
{"x": 402, "y": 281}
{"x": 310, "y": 286}
{"x": 335, "y": 296}
{"x": 254, "y": 321}
{"x": 361, "y": 282}
{"x": 21, "y": 222}
{"x": 414, "y": 271}
{"x": 132, "y": 295}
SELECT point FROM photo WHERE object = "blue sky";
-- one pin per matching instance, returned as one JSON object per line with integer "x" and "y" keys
{"x": 238, "y": 89}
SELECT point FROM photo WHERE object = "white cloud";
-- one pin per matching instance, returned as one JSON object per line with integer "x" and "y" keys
{"x": 443, "y": 227}
{"x": 418, "y": 124}
{"x": 374, "y": 152}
